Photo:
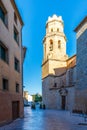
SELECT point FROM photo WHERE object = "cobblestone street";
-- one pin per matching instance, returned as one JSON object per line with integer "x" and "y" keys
{"x": 46, "y": 120}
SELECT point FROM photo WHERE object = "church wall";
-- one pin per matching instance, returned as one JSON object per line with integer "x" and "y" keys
{"x": 70, "y": 98}
{"x": 71, "y": 76}
{"x": 45, "y": 69}
{"x": 54, "y": 67}
{"x": 51, "y": 98}
{"x": 81, "y": 61}
{"x": 81, "y": 84}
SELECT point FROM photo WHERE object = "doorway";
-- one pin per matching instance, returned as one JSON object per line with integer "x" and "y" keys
{"x": 15, "y": 110}
{"x": 63, "y": 102}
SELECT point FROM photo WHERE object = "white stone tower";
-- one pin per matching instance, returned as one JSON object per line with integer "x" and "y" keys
{"x": 54, "y": 59}
{"x": 54, "y": 45}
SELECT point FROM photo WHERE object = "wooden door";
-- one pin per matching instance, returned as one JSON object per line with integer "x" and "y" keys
{"x": 63, "y": 102}
{"x": 15, "y": 110}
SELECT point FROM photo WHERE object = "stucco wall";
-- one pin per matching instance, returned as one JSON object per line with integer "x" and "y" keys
{"x": 7, "y": 70}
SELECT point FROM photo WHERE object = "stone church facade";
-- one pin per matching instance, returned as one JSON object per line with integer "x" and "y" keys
{"x": 59, "y": 72}
{"x": 81, "y": 67}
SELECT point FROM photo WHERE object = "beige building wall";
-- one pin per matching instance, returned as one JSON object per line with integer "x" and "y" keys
{"x": 7, "y": 38}
{"x": 7, "y": 70}
{"x": 25, "y": 95}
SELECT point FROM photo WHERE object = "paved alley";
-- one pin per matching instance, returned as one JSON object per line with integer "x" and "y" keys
{"x": 46, "y": 120}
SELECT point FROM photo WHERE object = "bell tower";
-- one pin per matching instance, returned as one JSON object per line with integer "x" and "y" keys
{"x": 54, "y": 46}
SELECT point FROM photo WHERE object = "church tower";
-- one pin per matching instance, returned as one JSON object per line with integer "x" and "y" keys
{"x": 54, "y": 60}
{"x": 54, "y": 46}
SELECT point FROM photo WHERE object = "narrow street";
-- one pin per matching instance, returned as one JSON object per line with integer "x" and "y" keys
{"x": 46, "y": 120}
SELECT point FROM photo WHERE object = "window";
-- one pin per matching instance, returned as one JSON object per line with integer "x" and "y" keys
{"x": 59, "y": 44}
{"x": 17, "y": 87}
{"x": 16, "y": 64}
{"x": 57, "y": 29}
{"x": 5, "y": 84}
{"x": 51, "y": 29}
{"x": 51, "y": 45}
{"x": 16, "y": 35}
{"x": 3, "y": 52}
{"x": 15, "y": 18}
{"x": 55, "y": 85}
{"x": 3, "y": 14}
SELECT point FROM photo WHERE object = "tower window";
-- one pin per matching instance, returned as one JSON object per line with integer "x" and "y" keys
{"x": 59, "y": 44}
{"x": 51, "y": 45}
{"x": 57, "y": 29}
{"x": 51, "y": 29}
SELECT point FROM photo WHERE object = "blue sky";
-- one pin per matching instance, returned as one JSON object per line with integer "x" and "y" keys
{"x": 35, "y": 14}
